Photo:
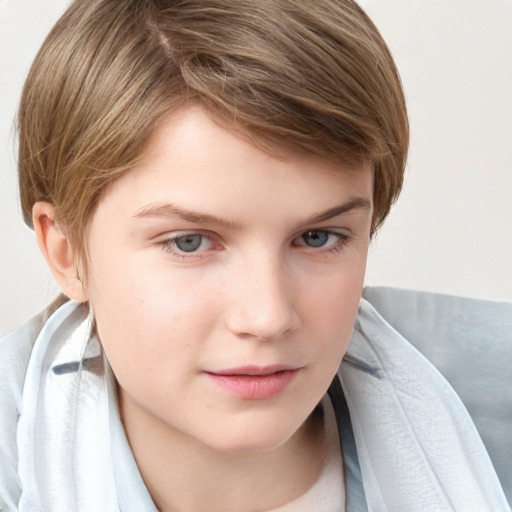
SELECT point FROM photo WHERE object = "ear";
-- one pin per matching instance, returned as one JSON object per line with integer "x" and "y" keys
{"x": 57, "y": 251}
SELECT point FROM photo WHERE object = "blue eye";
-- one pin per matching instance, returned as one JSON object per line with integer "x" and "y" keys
{"x": 188, "y": 243}
{"x": 322, "y": 239}
{"x": 316, "y": 238}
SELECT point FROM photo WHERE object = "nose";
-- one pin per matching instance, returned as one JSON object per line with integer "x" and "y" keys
{"x": 262, "y": 301}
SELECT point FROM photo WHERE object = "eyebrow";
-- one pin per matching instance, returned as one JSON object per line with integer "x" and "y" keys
{"x": 169, "y": 210}
{"x": 354, "y": 203}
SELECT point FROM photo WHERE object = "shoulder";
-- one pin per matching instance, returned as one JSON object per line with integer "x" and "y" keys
{"x": 15, "y": 350}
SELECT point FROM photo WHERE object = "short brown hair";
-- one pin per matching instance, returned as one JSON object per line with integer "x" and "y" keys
{"x": 313, "y": 75}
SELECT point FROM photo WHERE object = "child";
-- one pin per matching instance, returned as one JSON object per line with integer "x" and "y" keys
{"x": 203, "y": 178}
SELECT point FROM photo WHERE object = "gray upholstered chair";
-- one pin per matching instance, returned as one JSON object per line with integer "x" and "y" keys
{"x": 470, "y": 342}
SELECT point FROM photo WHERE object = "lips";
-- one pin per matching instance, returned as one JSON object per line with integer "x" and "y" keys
{"x": 254, "y": 382}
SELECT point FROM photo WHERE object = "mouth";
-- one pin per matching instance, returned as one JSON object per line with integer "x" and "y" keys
{"x": 254, "y": 382}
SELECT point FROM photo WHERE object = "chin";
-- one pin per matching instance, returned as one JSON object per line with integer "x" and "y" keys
{"x": 255, "y": 437}
{"x": 244, "y": 446}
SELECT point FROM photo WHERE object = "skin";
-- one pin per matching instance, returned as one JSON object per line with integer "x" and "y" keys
{"x": 265, "y": 283}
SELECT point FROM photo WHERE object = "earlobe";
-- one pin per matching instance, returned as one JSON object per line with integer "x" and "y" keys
{"x": 57, "y": 251}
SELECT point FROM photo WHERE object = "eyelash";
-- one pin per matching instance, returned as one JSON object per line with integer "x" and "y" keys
{"x": 342, "y": 239}
{"x": 169, "y": 244}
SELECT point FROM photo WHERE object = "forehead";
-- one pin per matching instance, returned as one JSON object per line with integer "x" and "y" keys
{"x": 193, "y": 161}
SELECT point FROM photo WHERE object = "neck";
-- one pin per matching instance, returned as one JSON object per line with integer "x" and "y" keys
{"x": 183, "y": 474}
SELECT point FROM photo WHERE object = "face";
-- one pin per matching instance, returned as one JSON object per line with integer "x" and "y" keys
{"x": 225, "y": 283}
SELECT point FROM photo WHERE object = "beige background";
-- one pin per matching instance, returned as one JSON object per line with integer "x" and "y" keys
{"x": 452, "y": 228}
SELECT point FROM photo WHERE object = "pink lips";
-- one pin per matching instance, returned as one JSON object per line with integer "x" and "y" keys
{"x": 254, "y": 382}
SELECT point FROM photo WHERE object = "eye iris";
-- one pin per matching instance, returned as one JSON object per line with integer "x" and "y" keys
{"x": 189, "y": 243}
{"x": 315, "y": 238}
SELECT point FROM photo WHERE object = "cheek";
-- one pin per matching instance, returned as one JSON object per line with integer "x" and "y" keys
{"x": 149, "y": 316}
{"x": 330, "y": 310}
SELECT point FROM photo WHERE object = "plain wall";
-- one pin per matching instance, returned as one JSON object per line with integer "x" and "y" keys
{"x": 451, "y": 230}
